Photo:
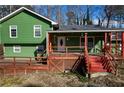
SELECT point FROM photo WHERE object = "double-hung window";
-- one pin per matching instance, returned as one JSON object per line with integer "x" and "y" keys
{"x": 37, "y": 31}
{"x": 13, "y": 31}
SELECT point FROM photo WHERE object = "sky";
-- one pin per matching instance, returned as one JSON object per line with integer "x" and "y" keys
{"x": 96, "y": 11}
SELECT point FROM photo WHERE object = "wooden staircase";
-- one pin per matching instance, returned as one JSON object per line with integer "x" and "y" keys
{"x": 96, "y": 64}
{"x": 105, "y": 62}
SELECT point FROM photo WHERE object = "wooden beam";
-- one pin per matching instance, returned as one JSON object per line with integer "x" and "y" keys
{"x": 80, "y": 42}
{"x": 122, "y": 44}
{"x": 116, "y": 46}
{"x": 105, "y": 39}
{"x": 85, "y": 43}
{"x": 14, "y": 61}
{"x": 30, "y": 61}
{"x": 50, "y": 47}
{"x": 48, "y": 43}
{"x": 62, "y": 58}
{"x": 110, "y": 43}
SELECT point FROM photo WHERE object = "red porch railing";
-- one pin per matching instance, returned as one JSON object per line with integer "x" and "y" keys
{"x": 67, "y": 49}
{"x": 22, "y": 63}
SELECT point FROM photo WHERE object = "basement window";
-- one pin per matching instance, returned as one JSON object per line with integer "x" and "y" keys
{"x": 13, "y": 31}
{"x": 40, "y": 48}
{"x": 16, "y": 49}
{"x": 37, "y": 31}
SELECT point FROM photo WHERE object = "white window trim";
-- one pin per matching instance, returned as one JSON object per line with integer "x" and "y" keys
{"x": 14, "y": 47}
{"x": 40, "y": 31}
{"x": 10, "y": 31}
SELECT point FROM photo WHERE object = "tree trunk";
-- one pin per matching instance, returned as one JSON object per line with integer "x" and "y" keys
{"x": 48, "y": 11}
{"x": 108, "y": 20}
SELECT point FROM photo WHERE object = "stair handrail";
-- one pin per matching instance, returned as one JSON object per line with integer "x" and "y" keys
{"x": 77, "y": 62}
{"x": 112, "y": 60}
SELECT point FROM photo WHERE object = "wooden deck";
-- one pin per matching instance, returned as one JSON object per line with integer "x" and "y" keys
{"x": 56, "y": 63}
{"x": 15, "y": 65}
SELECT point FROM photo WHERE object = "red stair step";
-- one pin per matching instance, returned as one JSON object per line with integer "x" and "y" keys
{"x": 98, "y": 70}
{"x": 97, "y": 66}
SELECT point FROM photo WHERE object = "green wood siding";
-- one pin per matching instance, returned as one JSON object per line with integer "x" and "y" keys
{"x": 25, "y": 22}
{"x": 26, "y": 51}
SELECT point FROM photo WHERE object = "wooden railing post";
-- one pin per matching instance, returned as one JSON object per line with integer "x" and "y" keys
{"x": 14, "y": 63}
{"x": 110, "y": 43}
{"x": 122, "y": 38}
{"x": 50, "y": 47}
{"x": 66, "y": 49}
{"x": 85, "y": 43}
{"x": 86, "y": 55}
{"x": 105, "y": 39}
{"x": 116, "y": 46}
{"x": 48, "y": 63}
{"x": 30, "y": 61}
{"x": 63, "y": 68}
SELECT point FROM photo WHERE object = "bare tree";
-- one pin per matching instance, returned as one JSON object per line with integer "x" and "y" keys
{"x": 4, "y": 10}
{"x": 71, "y": 18}
{"x": 15, "y": 7}
{"x": 40, "y": 9}
{"x": 118, "y": 14}
{"x": 78, "y": 12}
{"x": 109, "y": 10}
{"x": 98, "y": 12}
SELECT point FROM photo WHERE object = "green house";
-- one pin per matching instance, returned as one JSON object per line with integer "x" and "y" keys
{"x": 23, "y": 32}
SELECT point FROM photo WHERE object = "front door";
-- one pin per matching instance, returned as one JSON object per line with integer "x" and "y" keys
{"x": 61, "y": 44}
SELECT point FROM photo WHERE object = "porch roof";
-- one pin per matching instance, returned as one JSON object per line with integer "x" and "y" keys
{"x": 79, "y": 31}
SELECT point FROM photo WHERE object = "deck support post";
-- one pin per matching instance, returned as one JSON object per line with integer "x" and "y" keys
{"x": 110, "y": 43}
{"x": 116, "y": 47}
{"x": 122, "y": 47}
{"x": 85, "y": 43}
{"x": 86, "y": 54}
{"x": 105, "y": 39}
{"x": 48, "y": 43}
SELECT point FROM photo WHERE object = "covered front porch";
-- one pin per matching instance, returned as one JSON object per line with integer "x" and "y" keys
{"x": 77, "y": 41}
{"x": 88, "y": 50}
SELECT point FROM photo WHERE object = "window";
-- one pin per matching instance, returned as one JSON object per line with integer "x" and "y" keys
{"x": 37, "y": 31}
{"x": 114, "y": 36}
{"x": 40, "y": 48}
{"x": 16, "y": 49}
{"x": 13, "y": 31}
{"x": 90, "y": 42}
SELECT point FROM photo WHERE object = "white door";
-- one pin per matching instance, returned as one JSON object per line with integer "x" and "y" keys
{"x": 61, "y": 44}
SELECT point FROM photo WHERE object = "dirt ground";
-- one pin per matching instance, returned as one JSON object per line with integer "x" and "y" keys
{"x": 47, "y": 79}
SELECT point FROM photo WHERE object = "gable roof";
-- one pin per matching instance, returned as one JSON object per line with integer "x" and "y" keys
{"x": 22, "y": 9}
